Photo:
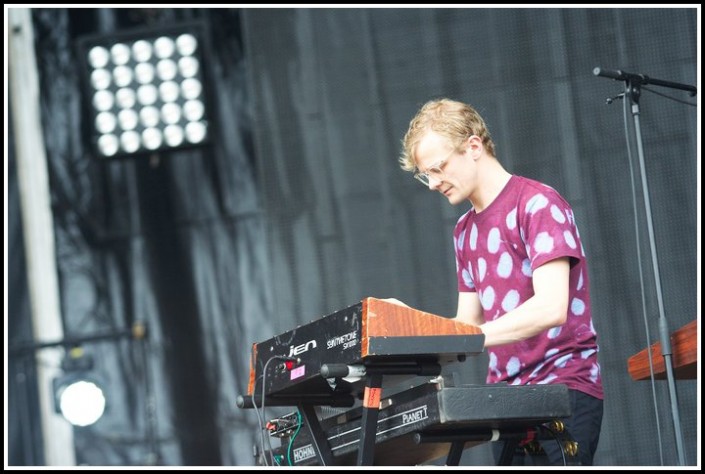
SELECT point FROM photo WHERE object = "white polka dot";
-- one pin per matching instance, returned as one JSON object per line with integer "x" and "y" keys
{"x": 554, "y": 332}
{"x": 594, "y": 373}
{"x": 536, "y": 370}
{"x": 481, "y": 268}
{"x": 526, "y": 268}
{"x": 562, "y": 361}
{"x": 513, "y": 366}
{"x": 493, "y": 364}
{"x": 504, "y": 267}
{"x": 549, "y": 353}
{"x": 467, "y": 279}
{"x": 570, "y": 216}
{"x": 473, "y": 237}
{"x": 587, "y": 353}
{"x": 536, "y": 203}
{"x": 543, "y": 243}
{"x": 512, "y": 219}
{"x": 557, "y": 214}
{"x": 493, "y": 361}
{"x": 493, "y": 240}
{"x": 460, "y": 243}
{"x": 569, "y": 239}
{"x": 580, "y": 281}
{"x": 577, "y": 306}
{"x": 510, "y": 301}
{"x": 487, "y": 298}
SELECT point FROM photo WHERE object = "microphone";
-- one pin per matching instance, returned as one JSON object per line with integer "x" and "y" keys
{"x": 342, "y": 370}
{"x": 641, "y": 79}
{"x": 618, "y": 75}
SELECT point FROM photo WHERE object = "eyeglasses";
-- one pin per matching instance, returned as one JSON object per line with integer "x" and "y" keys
{"x": 436, "y": 171}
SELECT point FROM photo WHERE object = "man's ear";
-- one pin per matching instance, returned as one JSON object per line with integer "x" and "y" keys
{"x": 473, "y": 145}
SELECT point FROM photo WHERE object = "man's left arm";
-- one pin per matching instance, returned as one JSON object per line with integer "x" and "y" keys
{"x": 547, "y": 308}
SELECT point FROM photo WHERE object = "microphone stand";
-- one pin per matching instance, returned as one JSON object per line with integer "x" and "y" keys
{"x": 633, "y": 83}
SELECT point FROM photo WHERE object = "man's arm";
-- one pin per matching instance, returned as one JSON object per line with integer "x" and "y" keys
{"x": 469, "y": 308}
{"x": 546, "y": 309}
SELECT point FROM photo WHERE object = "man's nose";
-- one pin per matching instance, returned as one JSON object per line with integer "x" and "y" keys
{"x": 434, "y": 183}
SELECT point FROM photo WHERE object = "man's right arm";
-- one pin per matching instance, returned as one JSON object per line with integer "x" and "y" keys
{"x": 469, "y": 308}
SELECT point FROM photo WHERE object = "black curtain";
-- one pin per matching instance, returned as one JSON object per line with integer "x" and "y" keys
{"x": 174, "y": 241}
{"x": 298, "y": 208}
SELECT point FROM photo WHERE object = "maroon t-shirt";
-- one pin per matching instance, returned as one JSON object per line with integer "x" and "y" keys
{"x": 497, "y": 250}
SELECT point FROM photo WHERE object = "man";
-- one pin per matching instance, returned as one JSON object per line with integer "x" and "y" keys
{"x": 521, "y": 267}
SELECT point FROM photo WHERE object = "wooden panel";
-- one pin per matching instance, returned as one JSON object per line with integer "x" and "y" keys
{"x": 251, "y": 382}
{"x": 684, "y": 344}
{"x": 385, "y": 319}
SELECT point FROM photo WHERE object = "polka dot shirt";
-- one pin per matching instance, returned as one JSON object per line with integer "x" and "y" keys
{"x": 497, "y": 251}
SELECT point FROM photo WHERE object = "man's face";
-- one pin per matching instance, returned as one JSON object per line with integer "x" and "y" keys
{"x": 442, "y": 167}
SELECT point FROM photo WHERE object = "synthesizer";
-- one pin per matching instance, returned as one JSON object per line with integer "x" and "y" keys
{"x": 373, "y": 335}
{"x": 422, "y": 424}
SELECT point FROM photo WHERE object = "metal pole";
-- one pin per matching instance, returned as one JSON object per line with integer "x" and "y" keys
{"x": 665, "y": 335}
{"x": 38, "y": 229}
{"x": 632, "y": 84}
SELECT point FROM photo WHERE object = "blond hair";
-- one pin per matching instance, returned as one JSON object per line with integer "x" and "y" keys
{"x": 449, "y": 118}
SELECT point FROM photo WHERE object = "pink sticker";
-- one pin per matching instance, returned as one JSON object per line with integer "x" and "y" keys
{"x": 298, "y": 372}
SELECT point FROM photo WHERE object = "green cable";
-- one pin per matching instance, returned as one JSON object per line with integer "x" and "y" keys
{"x": 293, "y": 437}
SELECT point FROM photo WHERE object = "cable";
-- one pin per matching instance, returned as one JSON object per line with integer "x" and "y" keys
{"x": 254, "y": 404}
{"x": 260, "y": 421}
{"x": 261, "y": 425}
{"x": 669, "y": 97}
{"x": 264, "y": 384}
{"x": 293, "y": 437}
{"x": 558, "y": 442}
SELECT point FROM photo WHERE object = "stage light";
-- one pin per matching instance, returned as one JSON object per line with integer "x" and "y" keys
{"x": 146, "y": 90}
{"x": 78, "y": 395}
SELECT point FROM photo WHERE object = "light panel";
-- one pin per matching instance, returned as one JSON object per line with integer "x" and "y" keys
{"x": 146, "y": 91}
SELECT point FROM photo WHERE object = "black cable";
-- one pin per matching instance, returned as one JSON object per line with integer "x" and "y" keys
{"x": 261, "y": 424}
{"x": 558, "y": 441}
{"x": 669, "y": 97}
{"x": 254, "y": 403}
{"x": 264, "y": 384}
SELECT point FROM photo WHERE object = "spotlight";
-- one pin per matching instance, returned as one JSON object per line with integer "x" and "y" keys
{"x": 78, "y": 395}
{"x": 146, "y": 90}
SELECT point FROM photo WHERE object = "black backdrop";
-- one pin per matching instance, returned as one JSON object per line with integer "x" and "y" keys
{"x": 299, "y": 208}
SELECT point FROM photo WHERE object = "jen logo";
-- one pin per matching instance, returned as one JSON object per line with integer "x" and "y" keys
{"x": 301, "y": 348}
